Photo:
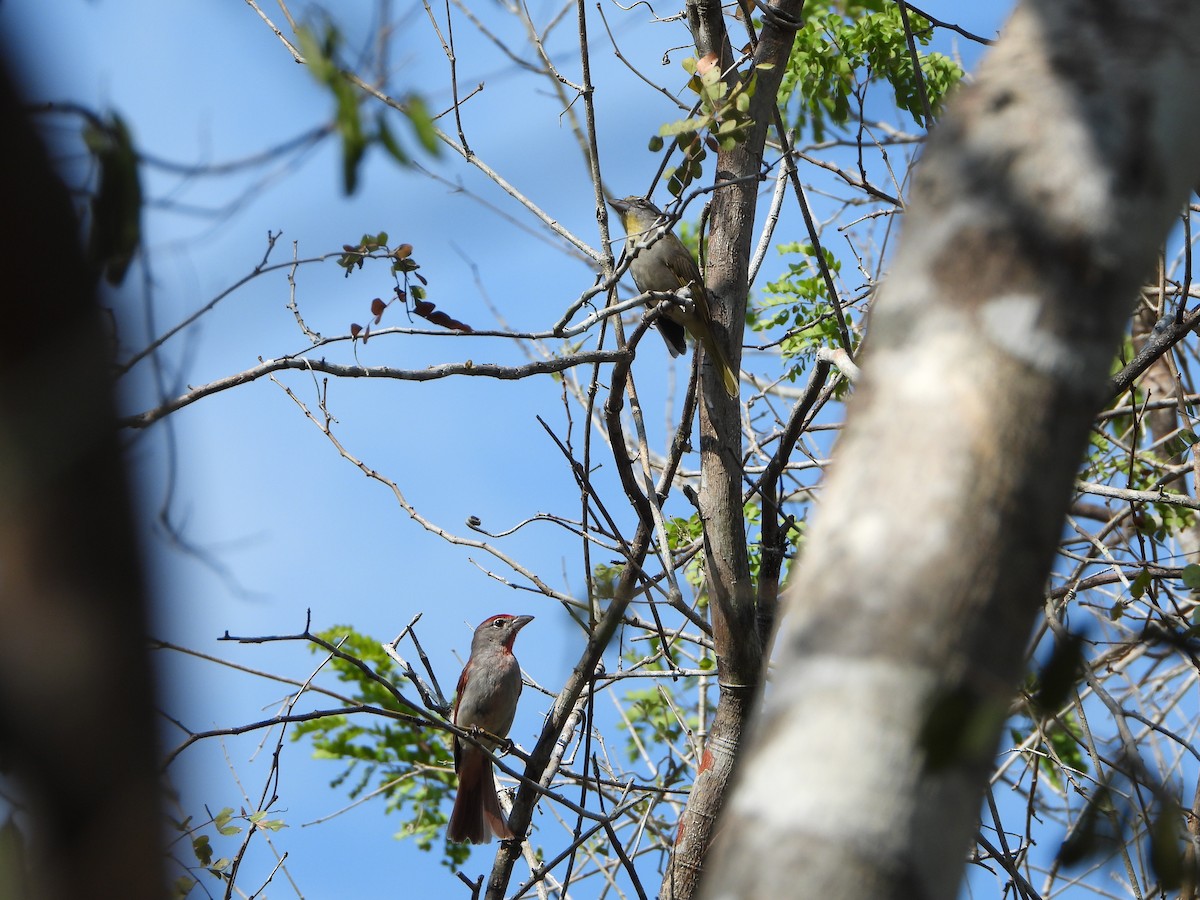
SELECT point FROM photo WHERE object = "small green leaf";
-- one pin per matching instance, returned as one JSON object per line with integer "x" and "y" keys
{"x": 202, "y": 848}
{"x": 319, "y": 64}
{"x": 1191, "y": 576}
{"x": 1060, "y": 674}
{"x": 390, "y": 144}
{"x": 1140, "y": 585}
{"x": 222, "y": 819}
{"x": 116, "y": 208}
{"x": 683, "y": 126}
{"x": 1084, "y": 839}
{"x": 422, "y": 123}
{"x": 1166, "y": 848}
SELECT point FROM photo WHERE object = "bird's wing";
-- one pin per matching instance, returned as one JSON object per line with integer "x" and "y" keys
{"x": 685, "y": 272}
{"x": 700, "y": 298}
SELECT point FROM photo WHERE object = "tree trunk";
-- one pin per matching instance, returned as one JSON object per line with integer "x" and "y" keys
{"x": 730, "y": 588}
{"x": 77, "y": 720}
{"x": 1038, "y": 208}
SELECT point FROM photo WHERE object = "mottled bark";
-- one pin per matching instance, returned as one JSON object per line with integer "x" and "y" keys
{"x": 1038, "y": 209}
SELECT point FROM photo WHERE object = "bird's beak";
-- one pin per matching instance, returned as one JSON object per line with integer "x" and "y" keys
{"x": 520, "y": 622}
{"x": 619, "y": 205}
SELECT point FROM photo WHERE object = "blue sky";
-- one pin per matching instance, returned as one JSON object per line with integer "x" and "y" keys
{"x": 291, "y": 526}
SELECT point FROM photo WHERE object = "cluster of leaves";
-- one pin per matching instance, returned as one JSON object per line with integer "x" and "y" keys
{"x": 604, "y": 580}
{"x": 723, "y": 119}
{"x": 682, "y": 533}
{"x": 320, "y": 55}
{"x": 1109, "y": 460}
{"x": 1162, "y": 520}
{"x": 836, "y": 51}
{"x": 407, "y": 765}
{"x": 658, "y": 718}
{"x": 799, "y": 303}
{"x": 224, "y": 824}
{"x": 404, "y": 269}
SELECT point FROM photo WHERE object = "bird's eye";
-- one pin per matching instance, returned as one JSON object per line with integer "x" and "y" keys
{"x": 499, "y": 623}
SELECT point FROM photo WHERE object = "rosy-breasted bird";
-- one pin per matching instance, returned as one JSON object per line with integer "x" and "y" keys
{"x": 487, "y": 695}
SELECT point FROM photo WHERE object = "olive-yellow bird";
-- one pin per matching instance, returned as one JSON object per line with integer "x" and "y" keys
{"x": 666, "y": 265}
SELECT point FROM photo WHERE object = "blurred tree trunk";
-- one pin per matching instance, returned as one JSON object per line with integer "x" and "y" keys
{"x": 1039, "y": 207}
{"x": 77, "y": 728}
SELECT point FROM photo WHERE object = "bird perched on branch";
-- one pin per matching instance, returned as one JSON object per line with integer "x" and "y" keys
{"x": 663, "y": 263}
{"x": 486, "y": 699}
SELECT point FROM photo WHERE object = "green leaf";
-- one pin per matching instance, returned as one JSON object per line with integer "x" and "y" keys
{"x": 1166, "y": 846}
{"x": 202, "y": 848}
{"x": 221, "y": 821}
{"x": 1140, "y": 585}
{"x": 960, "y": 729}
{"x": 422, "y": 122}
{"x": 1058, "y": 677}
{"x": 315, "y": 57}
{"x": 683, "y": 126}
{"x": 1085, "y": 839}
{"x": 349, "y": 123}
{"x": 1191, "y": 576}
{"x": 389, "y": 142}
{"x": 116, "y": 208}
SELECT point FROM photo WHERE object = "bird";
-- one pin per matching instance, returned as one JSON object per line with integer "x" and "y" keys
{"x": 665, "y": 265}
{"x": 486, "y": 699}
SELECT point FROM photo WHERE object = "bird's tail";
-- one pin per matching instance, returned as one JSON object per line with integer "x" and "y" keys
{"x": 728, "y": 376}
{"x": 477, "y": 814}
